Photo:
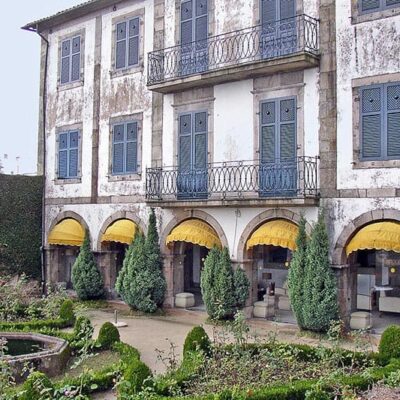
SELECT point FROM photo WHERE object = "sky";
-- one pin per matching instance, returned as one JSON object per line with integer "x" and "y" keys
{"x": 19, "y": 81}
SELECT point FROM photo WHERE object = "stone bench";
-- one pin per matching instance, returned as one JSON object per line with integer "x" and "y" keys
{"x": 184, "y": 300}
{"x": 263, "y": 309}
{"x": 360, "y": 320}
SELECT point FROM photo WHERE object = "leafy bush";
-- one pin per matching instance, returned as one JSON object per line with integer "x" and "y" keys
{"x": 67, "y": 311}
{"x": 21, "y": 224}
{"x": 126, "y": 352}
{"x": 197, "y": 339}
{"x": 37, "y": 387}
{"x": 82, "y": 323}
{"x": 141, "y": 282}
{"x": 320, "y": 305}
{"x": 389, "y": 346}
{"x": 86, "y": 277}
{"x": 242, "y": 286}
{"x": 207, "y": 283}
{"x": 108, "y": 335}
{"x": 296, "y": 274}
{"x": 134, "y": 376}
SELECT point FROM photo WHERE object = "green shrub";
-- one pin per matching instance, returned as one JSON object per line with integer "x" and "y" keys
{"x": 134, "y": 376}
{"x": 320, "y": 305}
{"x": 67, "y": 311}
{"x": 242, "y": 286}
{"x": 34, "y": 325}
{"x": 81, "y": 324}
{"x": 37, "y": 387}
{"x": 389, "y": 346}
{"x": 126, "y": 352}
{"x": 197, "y": 339}
{"x": 108, "y": 335}
{"x": 141, "y": 282}
{"x": 86, "y": 277}
{"x": 207, "y": 281}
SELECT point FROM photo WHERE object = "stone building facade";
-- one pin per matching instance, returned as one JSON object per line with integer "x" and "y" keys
{"x": 232, "y": 113}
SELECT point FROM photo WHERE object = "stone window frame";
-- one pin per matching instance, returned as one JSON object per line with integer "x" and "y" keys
{"x": 357, "y": 84}
{"x": 136, "y": 117}
{"x": 257, "y": 8}
{"x": 205, "y": 104}
{"x": 81, "y": 81}
{"x": 211, "y": 20}
{"x": 276, "y": 93}
{"x": 134, "y": 68}
{"x": 73, "y": 127}
{"x": 357, "y": 16}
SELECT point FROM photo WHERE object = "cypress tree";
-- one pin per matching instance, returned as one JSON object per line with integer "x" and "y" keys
{"x": 242, "y": 286}
{"x": 86, "y": 277}
{"x": 297, "y": 273}
{"x": 320, "y": 292}
{"x": 207, "y": 281}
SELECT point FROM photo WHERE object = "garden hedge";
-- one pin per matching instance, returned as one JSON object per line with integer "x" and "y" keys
{"x": 21, "y": 224}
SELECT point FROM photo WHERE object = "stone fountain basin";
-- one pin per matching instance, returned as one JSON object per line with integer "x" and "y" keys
{"x": 51, "y": 359}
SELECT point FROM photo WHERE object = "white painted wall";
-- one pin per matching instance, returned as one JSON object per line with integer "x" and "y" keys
{"x": 363, "y": 50}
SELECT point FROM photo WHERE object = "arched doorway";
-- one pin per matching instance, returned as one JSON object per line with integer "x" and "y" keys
{"x": 270, "y": 247}
{"x": 65, "y": 239}
{"x": 190, "y": 241}
{"x": 373, "y": 255}
{"x": 114, "y": 242}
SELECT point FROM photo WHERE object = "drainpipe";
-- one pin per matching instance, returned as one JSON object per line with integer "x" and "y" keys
{"x": 44, "y": 103}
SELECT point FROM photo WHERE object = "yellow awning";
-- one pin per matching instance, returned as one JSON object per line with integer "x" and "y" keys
{"x": 276, "y": 233}
{"x": 122, "y": 231}
{"x": 378, "y": 236}
{"x": 68, "y": 232}
{"x": 196, "y": 232}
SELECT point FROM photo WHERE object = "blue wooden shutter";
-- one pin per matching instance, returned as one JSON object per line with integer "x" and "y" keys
{"x": 200, "y": 140}
{"x": 268, "y": 11}
{"x": 371, "y": 123}
{"x": 185, "y": 142}
{"x": 287, "y": 130}
{"x": 187, "y": 23}
{"x": 287, "y": 9}
{"x": 201, "y": 28}
{"x": 133, "y": 48}
{"x": 268, "y": 132}
{"x": 76, "y": 58}
{"x": 393, "y": 121}
{"x": 390, "y": 3}
{"x": 121, "y": 45}
{"x": 63, "y": 155}
{"x": 131, "y": 147}
{"x": 65, "y": 61}
{"x": 118, "y": 149}
{"x": 73, "y": 154}
{"x": 370, "y": 5}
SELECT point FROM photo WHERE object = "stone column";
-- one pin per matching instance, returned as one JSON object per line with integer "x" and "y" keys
{"x": 344, "y": 286}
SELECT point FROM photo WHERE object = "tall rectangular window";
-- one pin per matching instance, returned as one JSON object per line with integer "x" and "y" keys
{"x": 70, "y": 70}
{"x": 380, "y": 122}
{"x": 127, "y": 43}
{"x": 125, "y": 148}
{"x": 369, "y": 6}
{"x": 68, "y": 154}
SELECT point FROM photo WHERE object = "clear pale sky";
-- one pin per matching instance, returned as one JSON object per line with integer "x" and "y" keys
{"x": 19, "y": 80}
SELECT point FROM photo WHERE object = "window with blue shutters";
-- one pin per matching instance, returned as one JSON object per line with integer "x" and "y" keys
{"x": 369, "y": 6}
{"x": 70, "y": 65}
{"x": 380, "y": 122}
{"x": 127, "y": 43}
{"x": 125, "y": 148}
{"x": 68, "y": 154}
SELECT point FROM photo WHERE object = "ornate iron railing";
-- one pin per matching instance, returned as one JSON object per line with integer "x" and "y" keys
{"x": 235, "y": 181}
{"x": 263, "y": 42}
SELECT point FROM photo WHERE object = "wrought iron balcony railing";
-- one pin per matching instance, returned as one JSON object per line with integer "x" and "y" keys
{"x": 235, "y": 181}
{"x": 259, "y": 43}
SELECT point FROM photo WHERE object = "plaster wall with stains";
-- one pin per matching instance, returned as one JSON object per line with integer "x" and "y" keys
{"x": 364, "y": 50}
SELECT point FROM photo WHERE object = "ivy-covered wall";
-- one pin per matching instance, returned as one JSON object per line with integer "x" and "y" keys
{"x": 20, "y": 224}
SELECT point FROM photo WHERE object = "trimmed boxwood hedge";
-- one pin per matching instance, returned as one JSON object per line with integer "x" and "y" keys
{"x": 35, "y": 325}
{"x": 21, "y": 224}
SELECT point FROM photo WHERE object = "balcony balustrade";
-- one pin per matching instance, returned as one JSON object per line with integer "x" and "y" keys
{"x": 243, "y": 180}
{"x": 256, "y": 46}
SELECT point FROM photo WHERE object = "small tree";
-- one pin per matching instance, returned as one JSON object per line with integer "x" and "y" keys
{"x": 242, "y": 286}
{"x": 207, "y": 281}
{"x": 86, "y": 277}
{"x": 319, "y": 290}
{"x": 141, "y": 282}
{"x": 297, "y": 273}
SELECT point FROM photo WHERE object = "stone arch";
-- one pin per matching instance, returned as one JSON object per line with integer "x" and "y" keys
{"x": 265, "y": 216}
{"x": 198, "y": 214}
{"x": 65, "y": 215}
{"x": 339, "y": 256}
{"x": 115, "y": 217}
